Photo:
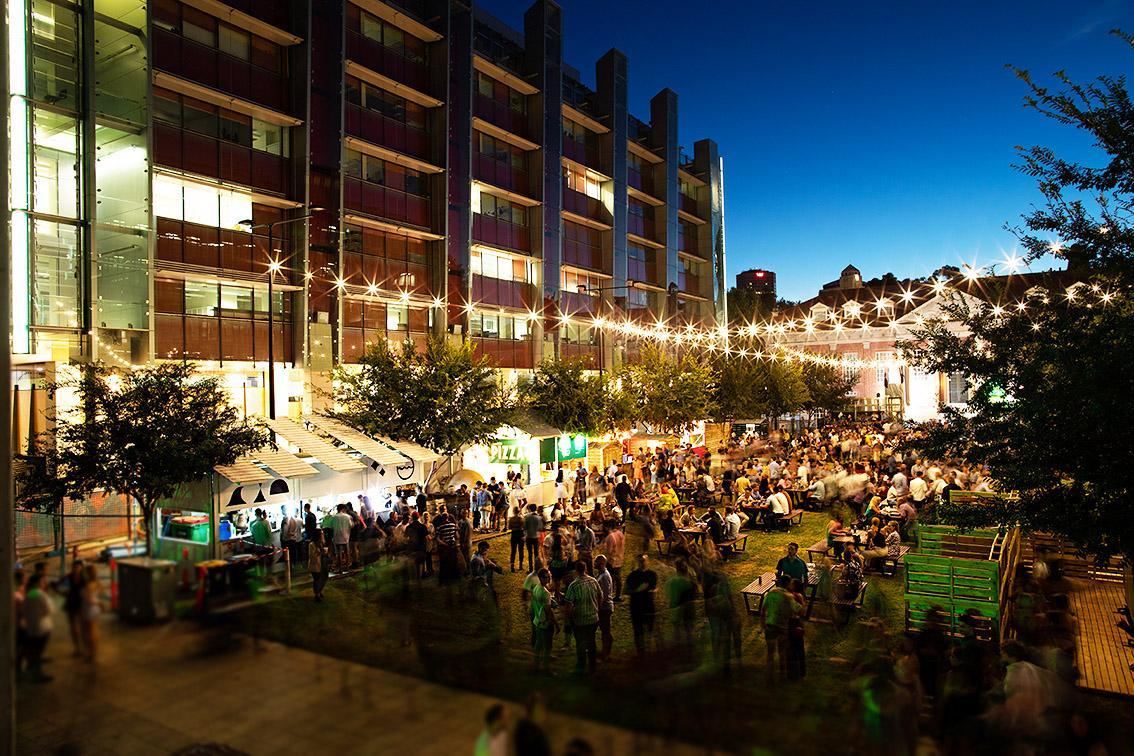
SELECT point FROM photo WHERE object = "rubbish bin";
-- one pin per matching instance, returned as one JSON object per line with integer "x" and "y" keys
{"x": 146, "y": 589}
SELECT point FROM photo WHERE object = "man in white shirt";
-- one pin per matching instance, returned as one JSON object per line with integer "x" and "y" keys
{"x": 780, "y": 503}
{"x": 773, "y": 471}
{"x": 734, "y": 521}
{"x": 919, "y": 489}
{"x": 291, "y": 533}
{"x": 612, "y": 472}
{"x": 899, "y": 483}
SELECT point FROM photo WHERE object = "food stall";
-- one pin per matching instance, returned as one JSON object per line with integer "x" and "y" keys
{"x": 531, "y": 448}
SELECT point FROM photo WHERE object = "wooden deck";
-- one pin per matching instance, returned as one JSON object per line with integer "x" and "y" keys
{"x": 1104, "y": 659}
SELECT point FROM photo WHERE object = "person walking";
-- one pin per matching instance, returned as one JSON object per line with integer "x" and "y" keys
{"x": 544, "y": 624}
{"x": 73, "y": 604}
{"x": 583, "y": 598}
{"x": 318, "y": 564}
{"x": 533, "y": 526}
{"x": 779, "y": 608}
{"x": 341, "y": 525}
{"x": 90, "y": 612}
{"x": 641, "y": 584}
{"x": 291, "y": 534}
{"x": 614, "y": 547}
{"x": 37, "y": 625}
{"x": 516, "y": 536}
{"x": 606, "y": 605}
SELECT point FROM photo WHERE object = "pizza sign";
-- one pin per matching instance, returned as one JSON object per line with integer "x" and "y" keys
{"x": 507, "y": 451}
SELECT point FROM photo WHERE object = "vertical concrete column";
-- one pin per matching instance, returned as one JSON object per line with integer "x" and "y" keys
{"x": 663, "y": 138}
{"x": 707, "y": 163}
{"x": 454, "y": 275}
{"x": 543, "y": 55}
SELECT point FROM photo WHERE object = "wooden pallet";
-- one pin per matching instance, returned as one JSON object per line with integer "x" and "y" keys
{"x": 1102, "y": 654}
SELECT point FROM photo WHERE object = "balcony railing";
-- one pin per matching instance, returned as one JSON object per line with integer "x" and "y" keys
{"x": 505, "y": 353}
{"x": 218, "y": 158}
{"x": 501, "y": 174}
{"x": 212, "y": 338}
{"x": 499, "y": 233}
{"x": 378, "y": 129}
{"x": 581, "y": 152}
{"x": 574, "y": 303}
{"x": 499, "y": 114}
{"x": 381, "y": 59}
{"x": 584, "y": 255}
{"x": 383, "y": 202}
{"x": 588, "y": 207}
{"x": 688, "y": 204}
{"x": 640, "y": 226}
{"x": 587, "y": 353}
{"x": 493, "y": 291}
{"x": 216, "y": 70}
{"x": 212, "y": 247}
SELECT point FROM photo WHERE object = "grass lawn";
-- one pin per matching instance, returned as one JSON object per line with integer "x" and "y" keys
{"x": 382, "y": 619}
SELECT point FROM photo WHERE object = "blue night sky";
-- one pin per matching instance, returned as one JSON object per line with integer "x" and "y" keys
{"x": 879, "y": 133}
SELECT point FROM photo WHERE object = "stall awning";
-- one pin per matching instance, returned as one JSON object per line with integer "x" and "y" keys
{"x": 244, "y": 470}
{"x": 320, "y": 449}
{"x": 361, "y": 443}
{"x": 416, "y": 452}
{"x": 285, "y": 464}
{"x": 535, "y": 426}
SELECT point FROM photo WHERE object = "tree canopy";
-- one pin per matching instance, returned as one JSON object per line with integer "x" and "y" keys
{"x": 442, "y": 397}
{"x": 1050, "y": 408}
{"x": 827, "y": 386}
{"x": 570, "y": 397}
{"x": 668, "y": 392}
{"x": 145, "y": 432}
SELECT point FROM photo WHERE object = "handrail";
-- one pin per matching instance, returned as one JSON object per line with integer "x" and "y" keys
{"x": 992, "y": 548}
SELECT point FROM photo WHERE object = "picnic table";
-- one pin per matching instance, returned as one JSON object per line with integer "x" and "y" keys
{"x": 759, "y": 589}
{"x": 797, "y": 496}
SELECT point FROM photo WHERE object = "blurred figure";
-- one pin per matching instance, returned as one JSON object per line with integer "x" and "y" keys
{"x": 493, "y": 739}
{"x": 37, "y": 626}
{"x": 90, "y": 612}
{"x": 73, "y": 604}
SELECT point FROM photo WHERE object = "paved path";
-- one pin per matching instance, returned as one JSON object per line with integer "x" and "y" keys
{"x": 160, "y": 689}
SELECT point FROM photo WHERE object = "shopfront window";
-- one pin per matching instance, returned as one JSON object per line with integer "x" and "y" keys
{"x": 200, "y": 298}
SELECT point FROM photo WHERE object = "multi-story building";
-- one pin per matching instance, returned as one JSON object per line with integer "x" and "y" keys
{"x": 758, "y": 280}
{"x": 246, "y": 182}
{"x": 860, "y": 326}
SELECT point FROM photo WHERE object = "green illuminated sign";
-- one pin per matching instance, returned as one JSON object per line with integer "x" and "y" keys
{"x": 508, "y": 451}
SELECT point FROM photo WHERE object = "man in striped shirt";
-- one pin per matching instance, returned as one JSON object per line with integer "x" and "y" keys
{"x": 583, "y": 598}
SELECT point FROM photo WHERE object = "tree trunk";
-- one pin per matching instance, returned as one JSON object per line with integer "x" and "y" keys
{"x": 147, "y": 524}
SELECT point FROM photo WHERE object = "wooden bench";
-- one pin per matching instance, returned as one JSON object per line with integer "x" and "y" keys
{"x": 888, "y": 565}
{"x": 851, "y": 604}
{"x": 794, "y": 518}
{"x": 819, "y": 548}
{"x": 733, "y": 545}
{"x": 757, "y": 590}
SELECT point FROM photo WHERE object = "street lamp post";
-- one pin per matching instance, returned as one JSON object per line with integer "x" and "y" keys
{"x": 584, "y": 289}
{"x": 274, "y": 266}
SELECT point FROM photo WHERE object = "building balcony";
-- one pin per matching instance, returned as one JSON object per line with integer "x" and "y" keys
{"x": 383, "y": 202}
{"x": 376, "y": 128}
{"x": 588, "y": 354}
{"x": 644, "y": 271}
{"x": 689, "y": 283}
{"x": 191, "y": 152}
{"x": 636, "y": 180}
{"x": 640, "y": 226}
{"x": 356, "y": 340}
{"x": 688, "y": 204}
{"x": 501, "y": 174}
{"x": 505, "y": 353}
{"x": 244, "y": 254}
{"x": 498, "y": 233}
{"x": 500, "y": 115}
{"x": 585, "y": 256}
{"x": 576, "y": 304}
{"x": 382, "y": 60}
{"x": 581, "y": 152}
{"x": 194, "y": 337}
{"x": 584, "y": 206}
{"x": 211, "y": 68}
{"x": 516, "y": 295}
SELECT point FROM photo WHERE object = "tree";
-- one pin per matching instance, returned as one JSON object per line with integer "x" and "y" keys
{"x": 1049, "y": 408}
{"x": 735, "y": 388}
{"x": 443, "y": 397}
{"x": 779, "y": 388}
{"x": 827, "y": 386}
{"x": 144, "y": 433}
{"x": 570, "y": 397}
{"x": 669, "y": 393}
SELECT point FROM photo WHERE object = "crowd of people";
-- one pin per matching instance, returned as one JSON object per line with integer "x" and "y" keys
{"x": 34, "y": 615}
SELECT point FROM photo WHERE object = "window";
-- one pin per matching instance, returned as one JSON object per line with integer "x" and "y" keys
{"x": 576, "y": 132}
{"x": 235, "y": 128}
{"x": 234, "y": 42}
{"x": 56, "y": 274}
{"x": 199, "y": 116}
{"x": 199, "y": 27}
{"x": 179, "y": 199}
{"x": 583, "y": 182}
{"x": 500, "y": 266}
{"x": 269, "y": 137}
{"x": 484, "y": 84}
{"x": 687, "y": 189}
{"x": 352, "y": 163}
{"x": 634, "y": 161}
{"x": 516, "y": 101}
{"x": 370, "y": 27}
{"x": 236, "y": 300}
{"x": 820, "y": 312}
{"x": 375, "y": 169}
{"x": 882, "y": 372}
{"x": 200, "y": 298}
{"x": 498, "y": 326}
{"x": 637, "y": 209}
{"x": 958, "y": 389}
{"x": 55, "y": 178}
{"x": 849, "y": 372}
{"x": 573, "y": 333}
{"x": 573, "y": 280}
{"x": 397, "y": 317}
{"x": 503, "y": 209}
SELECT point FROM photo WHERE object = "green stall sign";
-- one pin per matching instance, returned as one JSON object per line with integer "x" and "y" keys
{"x": 508, "y": 451}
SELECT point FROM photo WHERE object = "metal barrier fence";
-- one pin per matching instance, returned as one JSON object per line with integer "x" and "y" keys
{"x": 97, "y": 518}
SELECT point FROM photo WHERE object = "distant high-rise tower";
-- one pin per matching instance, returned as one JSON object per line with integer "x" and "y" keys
{"x": 762, "y": 281}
